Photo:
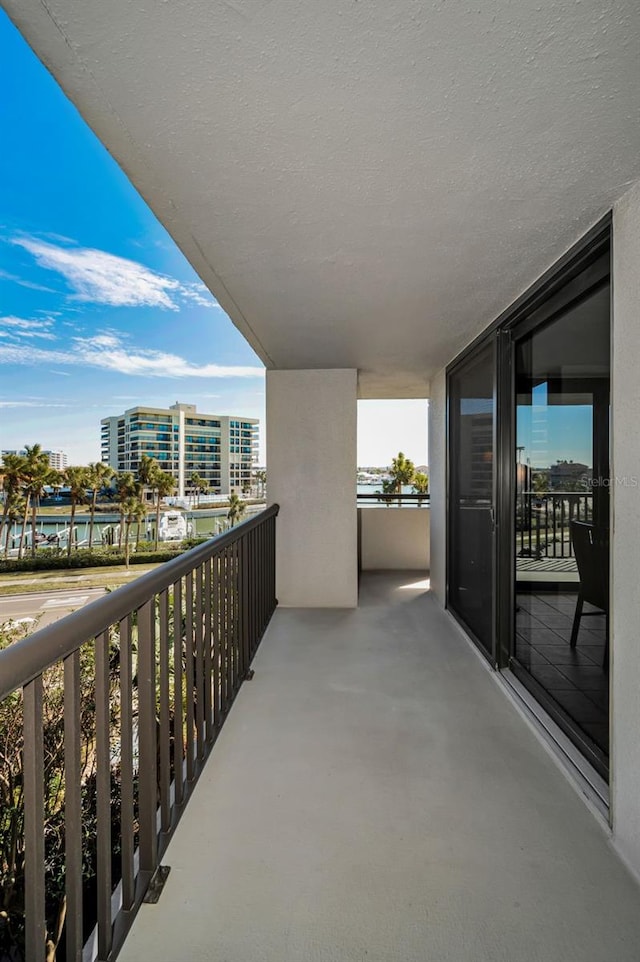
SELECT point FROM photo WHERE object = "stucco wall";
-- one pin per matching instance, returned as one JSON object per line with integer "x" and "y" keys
{"x": 394, "y": 538}
{"x": 311, "y": 469}
{"x": 625, "y": 581}
{"x": 437, "y": 483}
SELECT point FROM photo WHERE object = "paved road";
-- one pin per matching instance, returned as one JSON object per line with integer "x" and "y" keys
{"x": 42, "y": 608}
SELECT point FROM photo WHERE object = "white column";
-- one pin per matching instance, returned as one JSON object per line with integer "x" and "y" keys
{"x": 311, "y": 474}
{"x": 437, "y": 483}
{"x": 625, "y": 569}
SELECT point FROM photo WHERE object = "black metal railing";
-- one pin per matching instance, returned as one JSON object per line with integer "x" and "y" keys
{"x": 377, "y": 499}
{"x": 115, "y": 709}
{"x": 543, "y": 522}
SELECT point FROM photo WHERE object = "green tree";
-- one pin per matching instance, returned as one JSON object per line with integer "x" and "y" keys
{"x": 99, "y": 475}
{"x": 134, "y": 511}
{"x": 126, "y": 489}
{"x": 147, "y": 470}
{"x": 14, "y": 514}
{"x": 77, "y": 477}
{"x": 420, "y": 484}
{"x": 388, "y": 488}
{"x": 237, "y": 508}
{"x": 12, "y": 470}
{"x": 261, "y": 482}
{"x": 164, "y": 485}
{"x": 402, "y": 471}
{"x": 46, "y": 476}
{"x": 34, "y": 476}
{"x": 540, "y": 483}
{"x": 198, "y": 484}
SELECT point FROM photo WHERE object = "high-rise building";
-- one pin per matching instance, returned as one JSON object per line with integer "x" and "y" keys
{"x": 222, "y": 450}
{"x": 57, "y": 459}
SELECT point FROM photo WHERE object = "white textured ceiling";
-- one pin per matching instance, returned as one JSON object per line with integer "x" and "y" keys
{"x": 361, "y": 183}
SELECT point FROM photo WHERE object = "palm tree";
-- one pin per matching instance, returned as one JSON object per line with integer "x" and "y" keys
{"x": 237, "y": 508}
{"x": 126, "y": 488}
{"x": 198, "y": 484}
{"x": 77, "y": 478}
{"x": 15, "y": 513}
{"x": 44, "y": 476}
{"x": 35, "y": 464}
{"x": 11, "y": 481}
{"x": 99, "y": 476}
{"x": 388, "y": 487}
{"x": 420, "y": 484}
{"x": 540, "y": 482}
{"x": 140, "y": 516}
{"x": 261, "y": 478}
{"x": 147, "y": 469}
{"x": 164, "y": 485}
{"x": 133, "y": 510}
{"x": 402, "y": 471}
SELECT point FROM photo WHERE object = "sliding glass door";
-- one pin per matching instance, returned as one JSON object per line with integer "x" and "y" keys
{"x": 528, "y": 494}
{"x": 560, "y": 645}
{"x": 471, "y": 578}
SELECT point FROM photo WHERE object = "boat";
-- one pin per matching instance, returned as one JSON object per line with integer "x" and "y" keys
{"x": 174, "y": 526}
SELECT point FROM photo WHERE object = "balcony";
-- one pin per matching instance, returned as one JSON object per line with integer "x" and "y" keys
{"x": 367, "y": 800}
{"x": 373, "y": 793}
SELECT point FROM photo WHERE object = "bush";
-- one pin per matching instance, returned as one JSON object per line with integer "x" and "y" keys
{"x": 50, "y": 561}
{"x": 194, "y": 542}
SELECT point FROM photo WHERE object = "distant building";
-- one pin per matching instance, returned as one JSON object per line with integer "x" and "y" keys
{"x": 567, "y": 475}
{"x": 222, "y": 450}
{"x": 57, "y": 459}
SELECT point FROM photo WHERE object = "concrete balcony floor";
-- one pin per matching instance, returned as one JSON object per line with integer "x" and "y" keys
{"x": 375, "y": 796}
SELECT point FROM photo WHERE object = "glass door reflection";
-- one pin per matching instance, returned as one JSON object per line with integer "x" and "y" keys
{"x": 471, "y": 578}
{"x": 562, "y": 374}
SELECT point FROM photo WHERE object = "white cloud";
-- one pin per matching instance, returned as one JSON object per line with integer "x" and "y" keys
{"x": 102, "y": 278}
{"x": 6, "y": 276}
{"x": 23, "y": 324}
{"x": 199, "y": 294}
{"x": 108, "y": 351}
{"x": 18, "y": 327}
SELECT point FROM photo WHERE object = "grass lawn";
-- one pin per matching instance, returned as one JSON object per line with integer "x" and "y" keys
{"x": 26, "y": 582}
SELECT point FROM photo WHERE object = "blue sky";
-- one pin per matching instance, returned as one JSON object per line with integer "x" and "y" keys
{"x": 99, "y": 310}
{"x": 554, "y": 432}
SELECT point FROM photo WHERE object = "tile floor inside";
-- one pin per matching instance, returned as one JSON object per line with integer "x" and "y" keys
{"x": 574, "y": 677}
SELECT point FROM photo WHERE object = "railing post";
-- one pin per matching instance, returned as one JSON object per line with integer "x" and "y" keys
{"x": 147, "y": 790}
{"x": 73, "y": 807}
{"x": 103, "y": 795}
{"x": 35, "y": 930}
{"x": 244, "y": 603}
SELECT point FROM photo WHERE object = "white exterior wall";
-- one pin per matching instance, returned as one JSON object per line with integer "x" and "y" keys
{"x": 394, "y": 539}
{"x": 311, "y": 467}
{"x": 625, "y": 569}
{"x": 437, "y": 484}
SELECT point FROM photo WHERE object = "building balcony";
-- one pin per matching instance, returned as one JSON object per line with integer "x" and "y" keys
{"x": 371, "y": 791}
{"x": 374, "y": 794}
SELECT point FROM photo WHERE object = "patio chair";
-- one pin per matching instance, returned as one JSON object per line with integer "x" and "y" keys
{"x": 591, "y": 550}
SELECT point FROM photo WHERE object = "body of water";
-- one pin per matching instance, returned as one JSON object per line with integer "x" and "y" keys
{"x": 208, "y": 522}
